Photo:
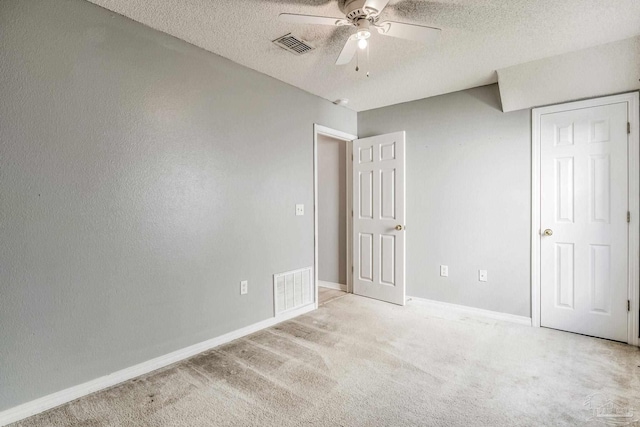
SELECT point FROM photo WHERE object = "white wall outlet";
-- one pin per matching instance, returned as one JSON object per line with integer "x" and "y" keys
{"x": 299, "y": 210}
{"x": 482, "y": 275}
{"x": 444, "y": 270}
{"x": 244, "y": 287}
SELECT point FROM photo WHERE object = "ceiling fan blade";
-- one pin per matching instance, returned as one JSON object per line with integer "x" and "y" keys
{"x": 349, "y": 49}
{"x": 409, "y": 31}
{"x": 376, "y": 5}
{"x": 310, "y": 19}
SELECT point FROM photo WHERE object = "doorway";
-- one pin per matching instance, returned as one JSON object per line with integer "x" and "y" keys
{"x": 375, "y": 213}
{"x": 585, "y": 217}
{"x": 332, "y": 208}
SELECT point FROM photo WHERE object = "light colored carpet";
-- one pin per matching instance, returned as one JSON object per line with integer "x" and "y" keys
{"x": 360, "y": 362}
{"x": 326, "y": 294}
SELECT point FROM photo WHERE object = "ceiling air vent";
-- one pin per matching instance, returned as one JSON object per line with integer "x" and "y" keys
{"x": 293, "y": 44}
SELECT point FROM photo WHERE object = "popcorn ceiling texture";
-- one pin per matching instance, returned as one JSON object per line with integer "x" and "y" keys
{"x": 479, "y": 37}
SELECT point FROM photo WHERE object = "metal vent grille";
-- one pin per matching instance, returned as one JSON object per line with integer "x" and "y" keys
{"x": 293, "y": 44}
{"x": 293, "y": 289}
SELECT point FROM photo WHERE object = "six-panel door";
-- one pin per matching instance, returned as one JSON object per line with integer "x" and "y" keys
{"x": 583, "y": 230}
{"x": 379, "y": 217}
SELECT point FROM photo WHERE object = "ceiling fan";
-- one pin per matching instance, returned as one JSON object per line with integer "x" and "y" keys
{"x": 364, "y": 15}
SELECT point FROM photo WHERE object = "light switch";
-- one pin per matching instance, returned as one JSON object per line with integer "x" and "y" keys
{"x": 482, "y": 275}
{"x": 299, "y": 210}
{"x": 444, "y": 270}
{"x": 244, "y": 287}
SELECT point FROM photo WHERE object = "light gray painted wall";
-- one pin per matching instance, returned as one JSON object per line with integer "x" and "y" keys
{"x": 468, "y": 197}
{"x": 332, "y": 208}
{"x": 141, "y": 178}
{"x": 597, "y": 71}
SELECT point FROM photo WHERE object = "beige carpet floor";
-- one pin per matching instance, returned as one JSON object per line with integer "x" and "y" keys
{"x": 326, "y": 295}
{"x": 360, "y": 362}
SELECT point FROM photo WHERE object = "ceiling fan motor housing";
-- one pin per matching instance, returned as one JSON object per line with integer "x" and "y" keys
{"x": 355, "y": 10}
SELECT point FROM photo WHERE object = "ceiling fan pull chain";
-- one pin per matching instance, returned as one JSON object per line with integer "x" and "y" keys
{"x": 368, "y": 46}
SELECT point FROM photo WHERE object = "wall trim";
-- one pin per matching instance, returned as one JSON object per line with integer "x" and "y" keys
{"x": 632, "y": 99}
{"x": 332, "y": 285}
{"x": 61, "y": 397}
{"x": 496, "y": 315}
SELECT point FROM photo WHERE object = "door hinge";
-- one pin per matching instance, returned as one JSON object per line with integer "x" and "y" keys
{"x": 628, "y": 305}
{"x": 628, "y": 216}
{"x": 352, "y": 157}
{"x": 352, "y": 269}
{"x": 628, "y": 127}
{"x": 351, "y": 214}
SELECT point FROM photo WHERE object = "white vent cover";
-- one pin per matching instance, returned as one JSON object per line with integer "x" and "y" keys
{"x": 293, "y": 289}
{"x": 293, "y": 44}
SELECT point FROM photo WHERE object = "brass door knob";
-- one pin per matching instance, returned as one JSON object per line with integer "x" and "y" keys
{"x": 399, "y": 227}
{"x": 548, "y": 232}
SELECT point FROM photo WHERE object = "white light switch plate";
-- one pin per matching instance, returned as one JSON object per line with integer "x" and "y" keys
{"x": 444, "y": 270}
{"x": 244, "y": 287}
{"x": 482, "y": 275}
{"x": 299, "y": 210}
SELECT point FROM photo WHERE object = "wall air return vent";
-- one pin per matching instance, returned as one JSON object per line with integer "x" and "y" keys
{"x": 293, "y": 289}
{"x": 293, "y": 44}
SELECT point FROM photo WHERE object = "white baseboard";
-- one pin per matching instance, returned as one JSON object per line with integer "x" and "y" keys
{"x": 42, "y": 404}
{"x": 521, "y": 320}
{"x": 332, "y": 285}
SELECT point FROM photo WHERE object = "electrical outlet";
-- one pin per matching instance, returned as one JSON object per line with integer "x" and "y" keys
{"x": 444, "y": 270}
{"x": 482, "y": 275}
{"x": 299, "y": 210}
{"x": 244, "y": 287}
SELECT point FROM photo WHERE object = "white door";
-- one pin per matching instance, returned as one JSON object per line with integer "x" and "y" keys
{"x": 379, "y": 217}
{"x": 583, "y": 215}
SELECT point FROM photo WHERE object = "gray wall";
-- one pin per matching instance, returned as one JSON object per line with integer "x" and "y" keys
{"x": 468, "y": 197}
{"x": 597, "y": 71}
{"x": 141, "y": 178}
{"x": 332, "y": 209}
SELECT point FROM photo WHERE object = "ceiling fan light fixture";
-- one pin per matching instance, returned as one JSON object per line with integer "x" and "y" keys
{"x": 363, "y": 34}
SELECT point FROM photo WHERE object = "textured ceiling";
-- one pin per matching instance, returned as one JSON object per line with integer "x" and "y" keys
{"x": 478, "y": 37}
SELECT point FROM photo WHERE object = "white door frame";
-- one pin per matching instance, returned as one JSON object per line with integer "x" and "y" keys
{"x": 347, "y": 138}
{"x": 634, "y": 202}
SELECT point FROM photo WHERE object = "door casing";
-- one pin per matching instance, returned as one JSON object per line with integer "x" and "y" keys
{"x": 632, "y": 100}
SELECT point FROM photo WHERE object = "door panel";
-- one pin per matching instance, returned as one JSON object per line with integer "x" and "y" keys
{"x": 365, "y": 257}
{"x": 379, "y": 198}
{"x": 366, "y": 195}
{"x": 584, "y": 202}
{"x": 564, "y": 183}
{"x": 565, "y": 283}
